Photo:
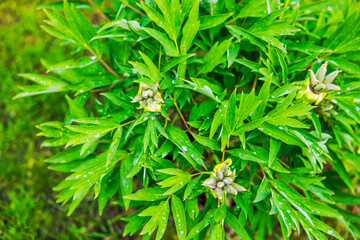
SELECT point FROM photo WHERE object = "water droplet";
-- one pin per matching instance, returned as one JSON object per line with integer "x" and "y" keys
{"x": 184, "y": 148}
{"x": 192, "y": 155}
{"x": 281, "y": 127}
{"x": 181, "y": 232}
{"x": 330, "y": 231}
{"x": 225, "y": 105}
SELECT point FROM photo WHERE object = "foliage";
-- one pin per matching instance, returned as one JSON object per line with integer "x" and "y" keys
{"x": 219, "y": 80}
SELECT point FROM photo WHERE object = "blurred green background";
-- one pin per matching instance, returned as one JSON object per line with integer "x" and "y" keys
{"x": 28, "y": 208}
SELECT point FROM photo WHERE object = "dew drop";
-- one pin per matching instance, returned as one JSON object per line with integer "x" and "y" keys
{"x": 184, "y": 148}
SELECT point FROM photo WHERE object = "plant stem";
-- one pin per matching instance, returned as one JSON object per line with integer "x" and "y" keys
{"x": 159, "y": 61}
{"x": 133, "y": 8}
{"x": 127, "y": 123}
{"x": 326, "y": 55}
{"x": 98, "y": 9}
{"x": 182, "y": 117}
{"x": 104, "y": 64}
{"x": 177, "y": 47}
{"x": 256, "y": 77}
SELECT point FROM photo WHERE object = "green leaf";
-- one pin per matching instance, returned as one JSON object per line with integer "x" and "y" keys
{"x": 274, "y": 149}
{"x": 210, "y": 21}
{"x": 339, "y": 167}
{"x": 217, "y": 232}
{"x": 213, "y": 57}
{"x": 125, "y": 182}
{"x": 190, "y": 29}
{"x": 147, "y": 194}
{"x": 202, "y": 224}
{"x": 193, "y": 182}
{"x": 178, "y": 212}
{"x": 263, "y": 191}
{"x": 172, "y": 63}
{"x": 47, "y": 84}
{"x": 320, "y": 225}
{"x": 60, "y": 5}
{"x": 302, "y": 63}
{"x": 281, "y": 134}
{"x": 182, "y": 141}
{"x": 168, "y": 44}
{"x": 230, "y": 115}
{"x": 138, "y": 162}
{"x": 232, "y": 53}
{"x": 155, "y": 74}
{"x": 72, "y": 63}
{"x": 76, "y": 110}
{"x": 175, "y": 183}
{"x": 316, "y": 122}
{"x": 159, "y": 218}
{"x": 238, "y": 32}
{"x": 114, "y": 145}
{"x": 212, "y": 144}
{"x": 235, "y": 224}
{"x": 202, "y": 86}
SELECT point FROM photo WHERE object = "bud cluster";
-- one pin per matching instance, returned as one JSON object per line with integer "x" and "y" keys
{"x": 222, "y": 181}
{"x": 149, "y": 98}
{"x": 318, "y": 85}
